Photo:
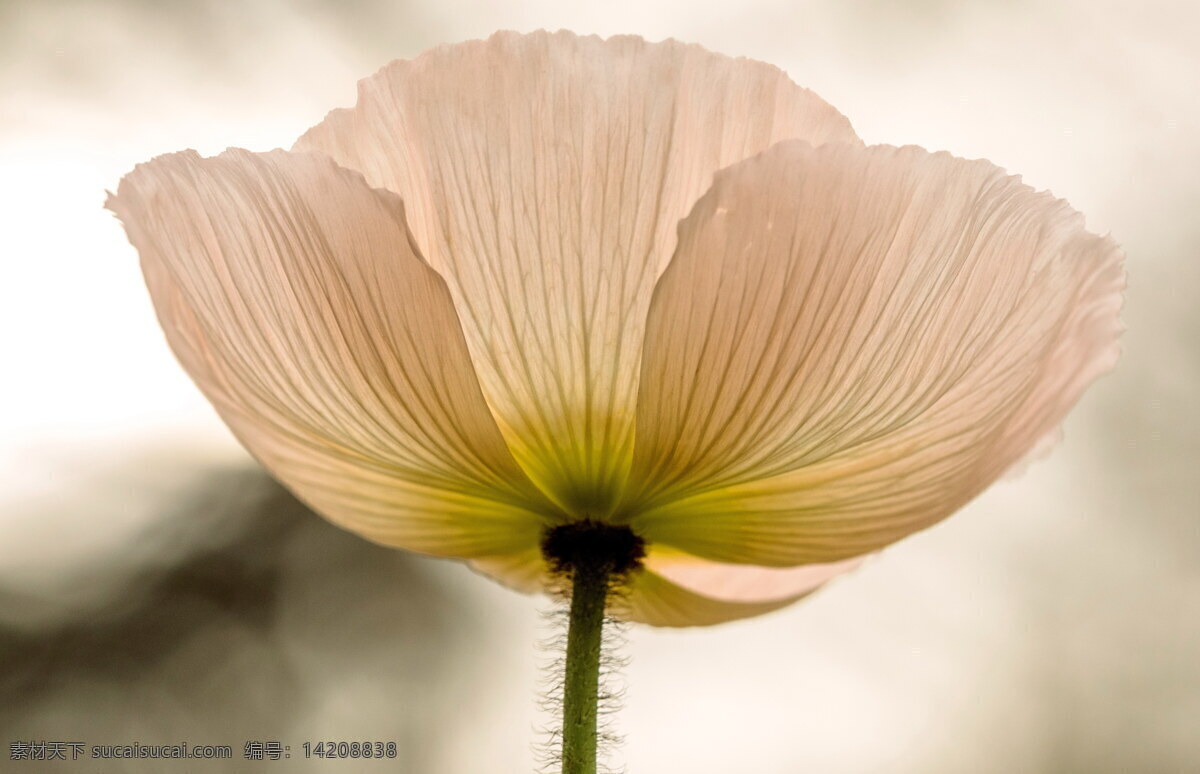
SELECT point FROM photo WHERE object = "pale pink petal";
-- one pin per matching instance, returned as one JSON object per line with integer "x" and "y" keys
{"x": 292, "y": 295}
{"x": 675, "y": 589}
{"x": 545, "y": 176}
{"x": 743, "y": 582}
{"x": 525, "y": 571}
{"x": 851, "y": 343}
{"x": 655, "y": 600}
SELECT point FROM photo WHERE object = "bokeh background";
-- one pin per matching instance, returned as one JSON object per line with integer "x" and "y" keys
{"x": 155, "y": 586}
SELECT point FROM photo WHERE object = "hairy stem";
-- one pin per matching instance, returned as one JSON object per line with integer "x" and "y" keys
{"x": 589, "y": 593}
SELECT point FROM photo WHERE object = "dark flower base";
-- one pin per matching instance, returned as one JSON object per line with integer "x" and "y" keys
{"x": 616, "y": 550}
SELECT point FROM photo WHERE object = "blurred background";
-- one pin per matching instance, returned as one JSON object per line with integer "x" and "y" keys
{"x": 155, "y": 586}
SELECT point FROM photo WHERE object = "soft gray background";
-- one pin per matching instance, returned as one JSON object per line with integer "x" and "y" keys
{"x": 155, "y": 587}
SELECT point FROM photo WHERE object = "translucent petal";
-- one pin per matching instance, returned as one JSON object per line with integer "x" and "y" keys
{"x": 292, "y": 295}
{"x": 654, "y": 600}
{"x": 675, "y": 589}
{"x": 744, "y": 582}
{"x": 851, "y": 343}
{"x": 545, "y": 176}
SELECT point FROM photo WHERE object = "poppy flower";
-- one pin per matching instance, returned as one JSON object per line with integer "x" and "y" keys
{"x": 547, "y": 280}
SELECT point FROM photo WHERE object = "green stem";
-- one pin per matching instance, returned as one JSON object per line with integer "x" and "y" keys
{"x": 589, "y": 593}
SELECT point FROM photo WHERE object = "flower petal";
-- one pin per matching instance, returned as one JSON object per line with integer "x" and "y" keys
{"x": 292, "y": 295}
{"x": 851, "y": 343}
{"x": 545, "y": 176}
{"x": 525, "y": 571}
{"x": 676, "y": 589}
{"x": 652, "y": 599}
{"x": 744, "y": 582}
